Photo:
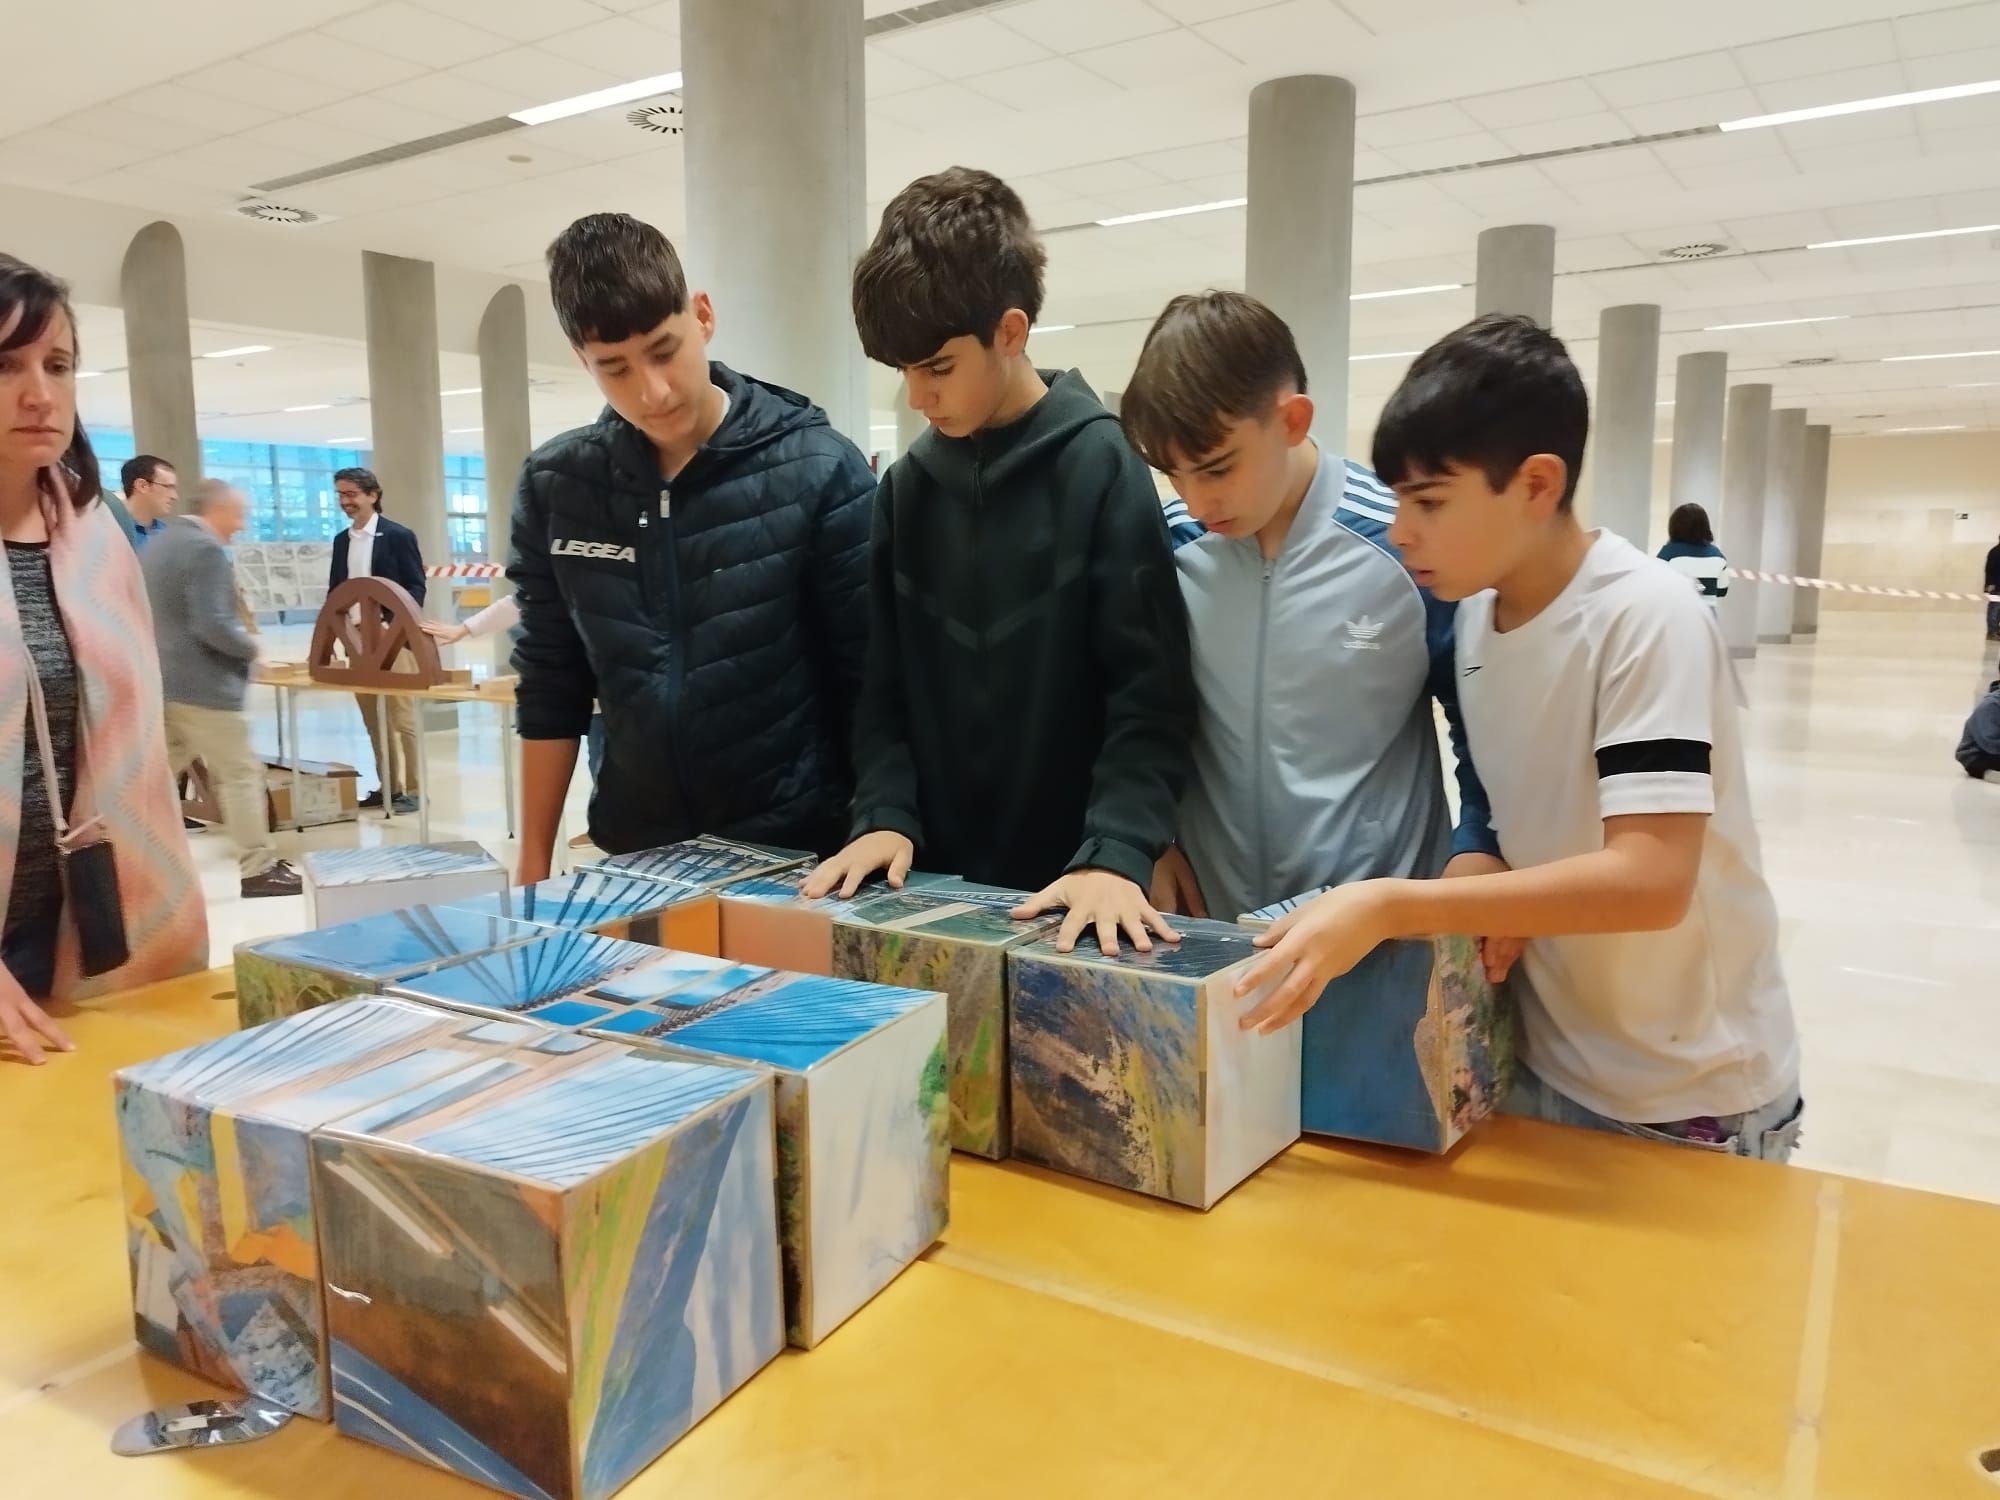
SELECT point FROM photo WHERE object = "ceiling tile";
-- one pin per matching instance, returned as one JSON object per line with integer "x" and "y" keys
{"x": 1407, "y": 127}
{"x": 1369, "y": 164}
{"x": 959, "y": 49}
{"x": 1777, "y": 231}
{"x": 1389, "y": 17}
{"x": 171, "y": 101}
{"x": 1452, "y": 151}
{"x": 450, "y": 97}
{"x": 1532, "y": 106}
{"x": 1156, "y": 60}
{"x": 236, "y": 162}
{"x": 1944, "y": 31}
{"x": 1694, "y": 110}
{"x": 923, "y": 108}
{"x": 520, "y": 20}
{"x": 108, "y": 122}
{"x": 422, "y": 36}
{"x": 620, "y": 46}
{"x": 888, "y": 74}
{"x": 1834, "y": 88}
{"x": 1048, "y": 84}
{"x": 1098, "y": 179}
{"x": 54, "y": 158}
{"x": 141, "y": 190}
{"x": 376, "y": 116}
{"x": 1064, "y": 26}
{"x": 281, "y": 93}
{"x": 536, "y": 77}
{"x": 1187, "y": 162}
{"x": 1702, "y": 73}
{"x": 316, "y": 54}
{"x": 1188, "y": 12}
{"x": 1296, "y": 34}
{"x": 319, "y": 141}
{"x": 666, "y": 15}
{"x": 1562, "y": 135}
{"x": 1974, "y": 65}
{"x": 1818, "y": 52}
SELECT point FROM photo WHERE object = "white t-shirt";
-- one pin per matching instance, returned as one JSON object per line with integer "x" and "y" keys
{"x": 1617, "y": 699}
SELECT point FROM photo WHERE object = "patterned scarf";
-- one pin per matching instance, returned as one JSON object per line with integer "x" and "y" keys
{"x": 122, "y": 749}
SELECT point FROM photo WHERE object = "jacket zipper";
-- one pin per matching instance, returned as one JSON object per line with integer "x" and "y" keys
{"x": 676, "y": 646}
{"x": 1260, "y": 751}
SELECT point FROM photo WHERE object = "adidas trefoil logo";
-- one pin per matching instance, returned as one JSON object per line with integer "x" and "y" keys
{"x": 1363, "y": 635}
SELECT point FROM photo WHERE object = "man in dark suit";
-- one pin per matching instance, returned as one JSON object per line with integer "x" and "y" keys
{"x": 375, "y": 546}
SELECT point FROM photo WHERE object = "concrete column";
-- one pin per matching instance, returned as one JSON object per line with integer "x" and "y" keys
{"x": 1780, "y": 551}
{"x": 1517, "y": 272}
{"x": 775, "y": 189}
{"x": 1299, "y": 255}
{"x": 1812, "y": 527}
{"x": 1701, "y": 392}
{"x": 1745, "y": 457}
{"x": 503, "y": 413}
{"x": 399, "y": 301}
{"x": 1628, "y": 385}
{"x": 159, "y": 355}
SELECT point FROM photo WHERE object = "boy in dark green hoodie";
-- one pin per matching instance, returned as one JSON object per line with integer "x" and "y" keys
{"x": 1027, "y": 706}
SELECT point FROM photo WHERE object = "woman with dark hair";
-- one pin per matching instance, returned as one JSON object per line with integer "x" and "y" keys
{"x": 1691, "y": 550}
{"x": 84, "y": 788}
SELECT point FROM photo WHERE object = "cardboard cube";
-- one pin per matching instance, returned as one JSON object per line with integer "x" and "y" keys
{"x": 541, "y": 1283}
{"x": 612, "y": 903}
{"x": 960, "y": 949}
{"x": 220, "y": 1215}
{"x": 864, "y": 1143}
{"x": 542, "y": 980}
{"x": 768, "y": 920}
{"x": 1133, "y": 1070}
{"x": 707, "y": 861}
{"x": 282, "y": 976}
{"x": 342, "y": 885}
{"x": 1410, "y": 1047}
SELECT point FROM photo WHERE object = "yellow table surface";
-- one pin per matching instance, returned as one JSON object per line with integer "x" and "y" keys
{"x": 1545, "y": 1313}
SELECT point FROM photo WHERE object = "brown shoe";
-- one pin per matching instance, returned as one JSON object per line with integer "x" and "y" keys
{"x": 280, "y": 880}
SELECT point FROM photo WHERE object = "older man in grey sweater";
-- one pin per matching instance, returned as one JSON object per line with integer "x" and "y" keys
{"x": 205, "y": 658}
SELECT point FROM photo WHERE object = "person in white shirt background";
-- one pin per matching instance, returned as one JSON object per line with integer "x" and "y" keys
{"x": 375, "y": 546}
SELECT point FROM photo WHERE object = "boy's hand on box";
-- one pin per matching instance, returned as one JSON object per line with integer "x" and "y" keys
{"x": 1497, "y": 954}
{"x": 1175, "y": 888}
{"x": 851, "y": 867}
{"x": 1110, "y": 901}
{"x": 1309, "y": 948}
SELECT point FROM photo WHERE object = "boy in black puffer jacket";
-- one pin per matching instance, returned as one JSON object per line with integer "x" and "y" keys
{"x": 696, "y": 563}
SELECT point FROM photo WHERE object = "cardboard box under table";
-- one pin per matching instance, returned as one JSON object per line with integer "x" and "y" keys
{"x": 707, "y": 861}
{"x": 285, "y": 975}
{"x": 542, "y": 980}
{"x": 220, "y": 1214}
{"x": 541, "y": 1277}
{"x": 612, "y": 903}
{"x": 960, "y": 948}
{"x": 1411, "y": 1047}
{"x": 342, "y": 885}
{"x": 863, "y": 1125}
{"x": 1133, "y": 1070}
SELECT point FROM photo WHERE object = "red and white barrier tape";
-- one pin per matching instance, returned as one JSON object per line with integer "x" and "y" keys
{"x": 1878, "y": 590}
{"x": 465, "y": 570}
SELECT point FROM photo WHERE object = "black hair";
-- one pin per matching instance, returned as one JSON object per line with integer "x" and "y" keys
{"x": 362, "y": 479}
{"x": 956, "y": 252}
{"x": 141, "y": 470}
{"x": 1689, "y": 526}
{"x": 611, "y": 277}
{"x": 1211, "y": 359}
{"x": 31, "y": 299}
{"x": 1488, "y": 396}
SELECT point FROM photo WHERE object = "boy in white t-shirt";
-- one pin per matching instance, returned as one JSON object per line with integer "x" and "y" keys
{"x": 1598, "y": 705}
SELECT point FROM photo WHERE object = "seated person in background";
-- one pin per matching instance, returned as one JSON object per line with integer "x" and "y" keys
{"x": 1304, "y": 623}
{"x": 1598, "y": 700}
{"x": 1027, "y": 709}
{"x": 1979, "y": 746}
{"x": 1691, "y": 552}
{"x": 694, "y": 562}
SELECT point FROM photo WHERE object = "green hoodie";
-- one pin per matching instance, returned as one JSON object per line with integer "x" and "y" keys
{"x": 1028, "y": 705}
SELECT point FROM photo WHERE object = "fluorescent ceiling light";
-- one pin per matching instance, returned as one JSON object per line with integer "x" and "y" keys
{"x": 1975, "y": 385}
{"x": 316, "y": 406}
{"x": 1860, "y": 106}
{"x": 1904, "y": 359}
{"x": 1893, "y": 239}
{"x": 461, "y": 431}
{"x": 1407, "y": 291}
{"x": 346, "y": 441}
{"x": 1174, "y": 213}
{"x": 1360, "y": 359}
{"x": 1774, "y": 323}
{"x": 469, "y": 390}
{"x": 583, "y": 104}
{"x": 1663, "y": 403}
{"x": 240, "y": 349}
{"x": 1052, "y": 328}
{"x": 1955, "y": 427}
{"x": 88, "y": 374}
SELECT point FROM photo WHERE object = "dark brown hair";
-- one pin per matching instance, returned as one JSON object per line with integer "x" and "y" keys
{"x": 611, "y": 277}
{"x": 955, "y": 253}
{"x": 39, "y": 297}
{"x": 1212, "y": 358}
{"x": 1689, "y": 526}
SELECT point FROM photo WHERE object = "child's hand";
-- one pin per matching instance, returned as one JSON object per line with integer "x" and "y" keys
{"x": 871, "y": 852}
{"x": 1175, "y": 888}
{"x": 1497, "y": 954}
{"x": 1111, "y": 901}
{"x": 1310, "y": 947}
{"x": 448, "y": 632}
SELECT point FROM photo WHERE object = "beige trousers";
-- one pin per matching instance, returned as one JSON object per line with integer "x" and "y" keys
{"x": 220, "y": 739}
{"x": 399, "y": 736}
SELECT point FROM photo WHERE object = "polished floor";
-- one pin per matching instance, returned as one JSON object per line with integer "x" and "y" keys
{"x": 1884, "y": 856}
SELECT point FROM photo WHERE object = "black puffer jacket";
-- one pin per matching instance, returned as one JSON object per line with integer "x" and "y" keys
{"x": 719, "y": 622}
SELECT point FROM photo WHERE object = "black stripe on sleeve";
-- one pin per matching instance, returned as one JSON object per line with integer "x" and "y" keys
{"x": 1643, "y": 756}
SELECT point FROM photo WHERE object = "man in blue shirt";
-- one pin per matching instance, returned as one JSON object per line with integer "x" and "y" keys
{"x": 151, "y": 490}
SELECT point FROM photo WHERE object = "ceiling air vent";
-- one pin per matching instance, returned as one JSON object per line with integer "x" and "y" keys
{"x": 1699, "y": 250}
{"x": 1810, "y": 359}
{"x": 276, "y": 213}
{"x": 656, "y": 119}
